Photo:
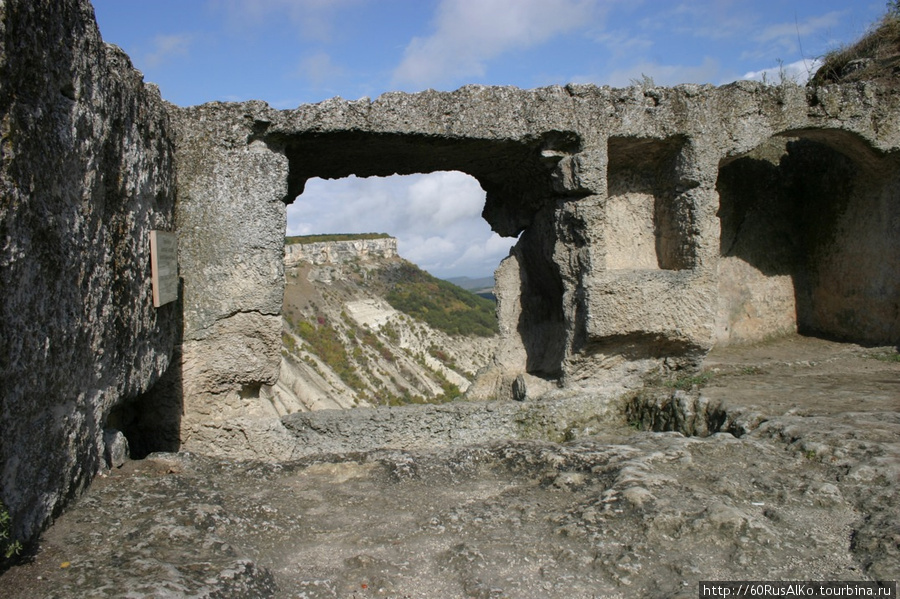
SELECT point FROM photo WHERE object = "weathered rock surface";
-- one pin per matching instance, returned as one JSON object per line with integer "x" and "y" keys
{"x": 231, "y": 221}
{"x": 454, "y": 424}
{"x": 655, "y": 223}
{"x": 808, "y": 492}
{"x": 86, "y": 171}
{"x": 340, "y": 252}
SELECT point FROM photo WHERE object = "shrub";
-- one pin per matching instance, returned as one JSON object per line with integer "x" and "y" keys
{"x": 8, "y": 546}
{"x": 441, "y": 304}
{"x": 325, "y": 343}
{"x": 685, "y": 383}
{"x": 390, "y": 332}
{"x": 442, "y": 356}
{"x": 880, "y": 44}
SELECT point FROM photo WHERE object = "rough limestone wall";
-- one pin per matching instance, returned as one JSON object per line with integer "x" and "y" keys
{"x": 849, "y": 288}
{"x": 616, "y": 194}
{"x": 86, "y": 171}
{"x": 231, "y": 222}
{"x": 758, "y": 250}
{"x": 809, "y": 240}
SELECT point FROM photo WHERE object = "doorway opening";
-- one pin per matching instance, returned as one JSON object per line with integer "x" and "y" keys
{"x": 369, "y": 318}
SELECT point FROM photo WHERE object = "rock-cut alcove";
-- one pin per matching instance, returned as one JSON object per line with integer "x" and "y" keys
{"x": 809, "y": 240}
{"x": 151, "y": 421}
{"x": 646, "y": 217}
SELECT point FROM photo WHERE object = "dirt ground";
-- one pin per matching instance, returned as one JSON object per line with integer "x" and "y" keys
{"x": 810, "y": 493}
{"x": 805, "y": 376}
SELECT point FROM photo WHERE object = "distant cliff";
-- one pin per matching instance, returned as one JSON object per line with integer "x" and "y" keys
{"x": 339, "y": 252}
{"x": 345, "y": 344}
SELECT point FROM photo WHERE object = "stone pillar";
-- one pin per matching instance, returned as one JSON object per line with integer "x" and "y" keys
{"x": 231, "y": 224}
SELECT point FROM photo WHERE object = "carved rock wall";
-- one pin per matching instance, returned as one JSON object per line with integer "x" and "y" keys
{"x": 811, "y": 220}
{"x": 86, "y": 171}
{"x": 654, "y": 222}
{"x": 647, "y": 226}
{"x": 231, "y": 220}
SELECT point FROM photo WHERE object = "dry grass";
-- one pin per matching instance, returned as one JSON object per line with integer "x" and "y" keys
{"x": 876, "y": 56}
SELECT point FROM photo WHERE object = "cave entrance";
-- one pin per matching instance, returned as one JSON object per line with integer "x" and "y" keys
{"x": 810, "y": 240}
{"x": 151, "y": 421}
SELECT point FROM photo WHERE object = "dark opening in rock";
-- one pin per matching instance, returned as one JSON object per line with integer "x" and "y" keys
{"x": 152, "y": 421}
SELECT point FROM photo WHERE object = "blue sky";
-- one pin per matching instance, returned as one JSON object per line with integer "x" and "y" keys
{"x": 290, "y": 52}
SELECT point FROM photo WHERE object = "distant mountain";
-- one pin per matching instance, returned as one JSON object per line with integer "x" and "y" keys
{"x": 476, "y": 285}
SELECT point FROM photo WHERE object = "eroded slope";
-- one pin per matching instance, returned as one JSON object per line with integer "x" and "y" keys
{"x": 346, "y": 345}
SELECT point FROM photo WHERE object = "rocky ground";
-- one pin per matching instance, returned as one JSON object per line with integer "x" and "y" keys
{"x": 804, "y": 486}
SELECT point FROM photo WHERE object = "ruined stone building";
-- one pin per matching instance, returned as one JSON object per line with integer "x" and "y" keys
{"x": 655, "y": 224}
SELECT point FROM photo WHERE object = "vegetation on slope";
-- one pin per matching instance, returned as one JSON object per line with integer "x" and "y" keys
{"x": 440, "y": 304}
{"x": 342, "y": 348}
{"x": 876, "y": 56}
{"x": 326, "y": 344}
{"x": 9, "y": 547}
{"x": 420, "y": 356}
{"x": 304, "y": 239}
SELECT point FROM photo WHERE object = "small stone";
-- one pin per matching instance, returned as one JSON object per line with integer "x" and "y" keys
{"x": 519, "y": 390}
{"x": 117, "y": 451}
{"x": 637, "y": 496}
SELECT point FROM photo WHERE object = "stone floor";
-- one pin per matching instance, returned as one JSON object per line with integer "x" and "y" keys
{"x": 808, "y": 492}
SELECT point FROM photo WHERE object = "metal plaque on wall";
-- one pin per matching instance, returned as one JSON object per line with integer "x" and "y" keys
{"x": 164, "y": 266}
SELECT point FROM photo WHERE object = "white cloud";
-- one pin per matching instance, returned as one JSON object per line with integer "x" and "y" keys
{"x": 436, "y": 218}
{"x": 350, "y": 205}
{"x": 623, "y": 43}
{"x": 788, "y": 33}
{"x": 709, "y": 19}
{"x": 445, "y": 198}
{"x": 787, "y": 39}
{"x": 798, "y": 72}
{"x": 318, "y": 68}
{"x": 168, "y": 46}
{"x": 427, "y": 252}
{"x": 468, "y": 33}
{"x": 487, "y": 252}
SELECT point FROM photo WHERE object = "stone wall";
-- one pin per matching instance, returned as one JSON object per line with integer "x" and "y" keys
{"x": 808, "y": 244}
{"x": 231, "y": 222}
{"x": 654, "y": 222}
{"x": 86, "y": 171}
